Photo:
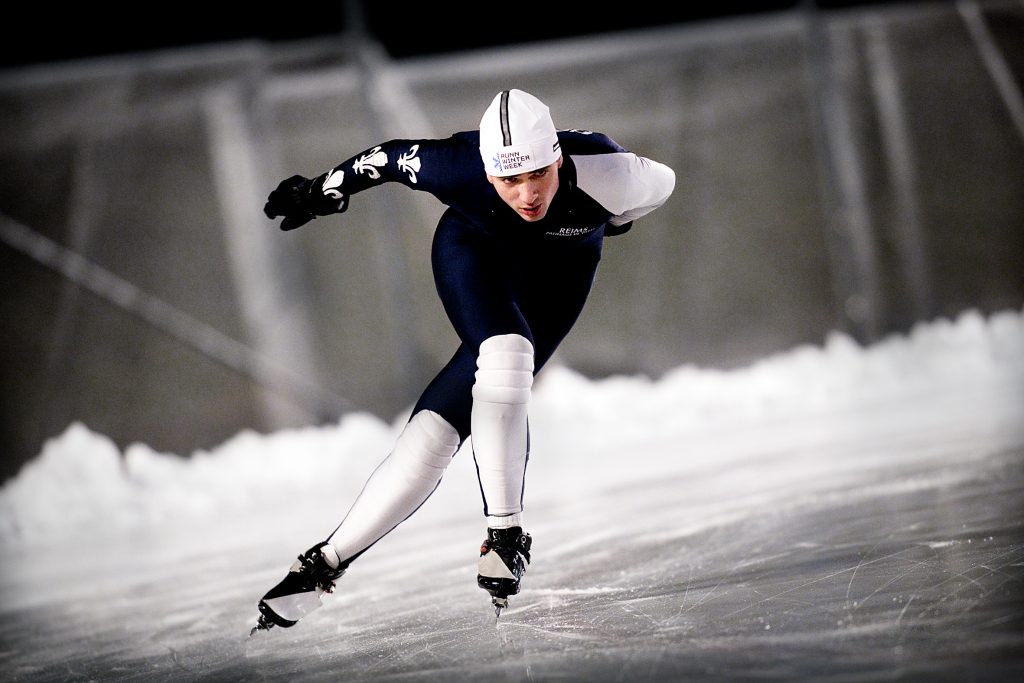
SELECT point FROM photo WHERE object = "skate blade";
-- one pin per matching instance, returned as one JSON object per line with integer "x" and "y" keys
{"x": 499, "y": 604}
{"x": 261, "y": 625}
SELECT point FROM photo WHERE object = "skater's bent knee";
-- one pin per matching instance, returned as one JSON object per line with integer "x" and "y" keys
{"x": 506, "y": 342}
{"x": 431, "y": 433}
{"x": 504, "y": 369}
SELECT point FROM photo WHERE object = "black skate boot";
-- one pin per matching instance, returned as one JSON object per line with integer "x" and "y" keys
{"x": 504, "y": 558}
{"x": 298, "y": 594}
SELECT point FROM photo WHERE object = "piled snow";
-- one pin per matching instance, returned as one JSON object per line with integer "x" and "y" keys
{"x": 81, "y": 485}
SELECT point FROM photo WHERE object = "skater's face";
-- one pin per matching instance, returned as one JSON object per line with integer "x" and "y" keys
{"x": 529, "y": 194}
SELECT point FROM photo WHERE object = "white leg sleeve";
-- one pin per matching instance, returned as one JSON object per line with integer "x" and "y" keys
{"x": 501, "y": 394}
{"x": 400, "y": 484}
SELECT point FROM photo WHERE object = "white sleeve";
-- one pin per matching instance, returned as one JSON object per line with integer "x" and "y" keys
{"x": 628, "y": 185}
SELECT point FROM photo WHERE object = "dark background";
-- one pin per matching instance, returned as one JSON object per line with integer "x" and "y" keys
{"x": 63, "y": 31}
{"x": 841, "y": 167}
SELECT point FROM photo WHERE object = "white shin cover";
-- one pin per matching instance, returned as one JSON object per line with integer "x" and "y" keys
{"x": 501, "y": 394}
{"x": 400, "y": 484}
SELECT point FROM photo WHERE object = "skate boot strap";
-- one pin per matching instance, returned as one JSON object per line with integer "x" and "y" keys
{"x": 322, "y": 562}
{"x": 510, "y": 538}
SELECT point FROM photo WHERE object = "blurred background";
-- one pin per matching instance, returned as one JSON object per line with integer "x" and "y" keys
{"x": 841, "y": 166}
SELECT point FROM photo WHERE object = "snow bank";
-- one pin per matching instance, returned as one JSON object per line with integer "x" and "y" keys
{"x": 82, "y": 486}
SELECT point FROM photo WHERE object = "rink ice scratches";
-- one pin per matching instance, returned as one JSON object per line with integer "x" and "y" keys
{"x": 589, "y": 590}
{"x": 880, "y": 542}
{"x": 878, "y": 574}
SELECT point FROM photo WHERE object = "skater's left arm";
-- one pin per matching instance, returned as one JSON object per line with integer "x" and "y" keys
{"x": 628, "y": 185}
{"x": 647, "y": 184}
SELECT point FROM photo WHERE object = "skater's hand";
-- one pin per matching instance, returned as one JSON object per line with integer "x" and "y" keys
{"x": 299, "y": 200}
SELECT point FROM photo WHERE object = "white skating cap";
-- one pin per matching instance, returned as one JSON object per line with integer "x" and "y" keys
{"x": 517, "y": 135}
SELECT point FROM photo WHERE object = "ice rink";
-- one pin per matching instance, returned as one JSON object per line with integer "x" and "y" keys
{"x": 834, "y": 513}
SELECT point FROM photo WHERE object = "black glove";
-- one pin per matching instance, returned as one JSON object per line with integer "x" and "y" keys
{"x": 299, "y": 200}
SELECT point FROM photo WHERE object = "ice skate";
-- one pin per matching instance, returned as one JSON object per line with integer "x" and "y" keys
{"x": 299, "y": 593}
{"x": 504, "y": 558}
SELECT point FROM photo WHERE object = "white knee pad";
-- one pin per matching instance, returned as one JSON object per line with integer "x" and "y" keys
{"x": 426, "y": 446}
{"x": 501, "y": 394}
{"x": 504, "y": 370}
{"x": 400, "y": 484}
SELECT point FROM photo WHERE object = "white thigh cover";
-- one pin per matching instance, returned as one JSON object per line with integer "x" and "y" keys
{"x": 501, "y": 394}
{"x": 400, "y": 484}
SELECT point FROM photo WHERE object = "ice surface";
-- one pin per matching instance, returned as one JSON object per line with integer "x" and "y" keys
{"x": 833, "y": 513}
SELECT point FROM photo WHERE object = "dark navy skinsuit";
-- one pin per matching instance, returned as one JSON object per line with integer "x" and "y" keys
{"x": 497, "y": 274}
